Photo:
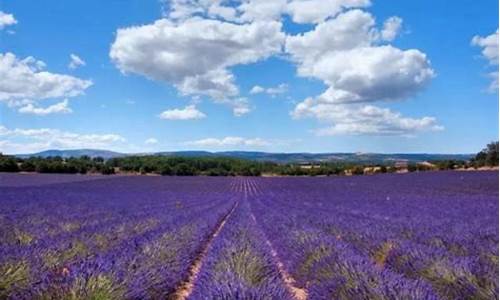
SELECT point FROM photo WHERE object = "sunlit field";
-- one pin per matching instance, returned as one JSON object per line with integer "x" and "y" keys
{"x": 430, "y": 235}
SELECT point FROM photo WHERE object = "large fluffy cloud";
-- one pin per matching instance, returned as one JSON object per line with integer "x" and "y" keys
{"x": 349, "y": 54}
{"x": 198, "y": 42}
{"x": 27, "y": 79}
{"x": 349, "y": 30}
{"x": 346, "y": 55}
{"x": 195, "y": 55}
{"x": 370, "y": 74}
{"x": 30, "y": 140}
{"x": 489, "y": 45}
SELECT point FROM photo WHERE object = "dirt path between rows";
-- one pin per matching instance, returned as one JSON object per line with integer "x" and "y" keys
{"x": 296, "y": 292}
{"x": 290, "y": 283}
{"x": 185, "y": 289}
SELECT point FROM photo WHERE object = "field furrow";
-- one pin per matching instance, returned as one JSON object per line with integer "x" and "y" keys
{"x": 185, "y": 288}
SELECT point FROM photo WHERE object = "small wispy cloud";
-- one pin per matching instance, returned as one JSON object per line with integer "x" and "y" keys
{"x": 75, "y": 62}
{"x": 272, "y": 91}
{"x": 189, "y": 112}
{"x": 230, "y": 141}
{"x": 151, "y": 141}
{"x": 58, "y": 108}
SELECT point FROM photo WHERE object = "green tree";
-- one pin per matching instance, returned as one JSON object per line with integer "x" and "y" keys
{"x": 183, "y": 169}
{"x": 358, "y": 170}
{"x": 166, "y": 170}
{"x": 107, "y": 170}
{"x": 8, "y": 164}
{"x": 27, "y": 166}
{"x": 488, "y": 156}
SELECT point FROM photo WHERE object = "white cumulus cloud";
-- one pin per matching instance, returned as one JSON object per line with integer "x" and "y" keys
{"x": 257, "y": 90}
{"x": 58, "y": 108}
{"x": 489, "y": 45}
{"x": 368, "y": 74}
{"x": 189, "y": 112}
{"x": 198, "y": 42}
{"x": 27, "y": 79}
{"x": 350, "y": 55}
{"x": 344, "y": 54}
{"x": 6, "y": 20}
{"x": 391, "y": 29}
{"x": 195, "y": 55}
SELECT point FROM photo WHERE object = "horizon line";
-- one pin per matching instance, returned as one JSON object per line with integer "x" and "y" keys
{"x": 245, "y": 151}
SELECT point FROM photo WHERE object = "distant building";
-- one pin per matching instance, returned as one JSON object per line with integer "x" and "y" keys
{"x": 426, "y": 165}
{"x": 308, "y": 166}
{"x": 401, "y": 164}
{"x": 372, "y": 170}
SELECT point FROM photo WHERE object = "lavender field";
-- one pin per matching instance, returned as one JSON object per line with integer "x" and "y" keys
{"x": 430, "y": 235}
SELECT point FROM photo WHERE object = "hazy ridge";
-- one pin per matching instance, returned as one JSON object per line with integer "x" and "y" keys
{"x": 265, "y": 156}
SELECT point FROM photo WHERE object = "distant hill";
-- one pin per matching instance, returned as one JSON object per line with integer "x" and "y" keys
{"x": 368, "y": 158}
{"x": 343, "y": 157}
{"x": 74, "y": 153}
{"x": 188, "y": 153}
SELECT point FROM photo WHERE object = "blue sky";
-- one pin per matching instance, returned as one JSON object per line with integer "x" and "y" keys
{"x": 352, "y": 76}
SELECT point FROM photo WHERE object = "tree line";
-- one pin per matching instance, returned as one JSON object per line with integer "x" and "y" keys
{"x": 168, "y": 166}
{"x": 223, "y": 166}
{"x": 55, "y": 164}
{"x": 487, "y": 157}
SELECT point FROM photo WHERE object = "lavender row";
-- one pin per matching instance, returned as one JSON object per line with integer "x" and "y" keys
{"x": 142, "y": 250}
{"x": 29, "y": 179}
{"x": 370, "y": 221}
{"x": 239, "y": 264}
{"x": 329, "y": 268}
